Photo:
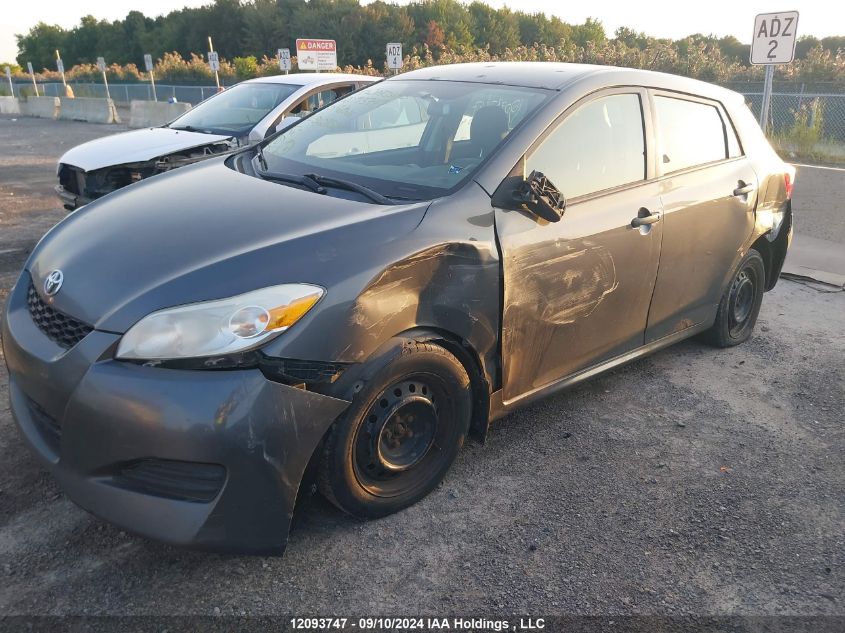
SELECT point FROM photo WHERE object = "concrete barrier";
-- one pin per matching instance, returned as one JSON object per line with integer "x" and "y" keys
{"x": 154, "y": 113}
{"x": 42, "y": 107}
{"x": 90, "y": 110}
{"x": 9, "y": 105}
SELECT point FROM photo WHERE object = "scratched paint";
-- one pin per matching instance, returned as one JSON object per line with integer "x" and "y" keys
{"x": 447, "y": 286}
{"x": 555, "y": 289}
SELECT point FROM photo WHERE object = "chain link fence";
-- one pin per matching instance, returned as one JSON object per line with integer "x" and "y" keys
{"x": 807, "y": 120}
{"x": 121, "y": 93}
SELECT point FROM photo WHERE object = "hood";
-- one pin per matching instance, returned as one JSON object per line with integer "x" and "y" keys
{"x": 206, "y": 232}
{"x": 135, "y": 147}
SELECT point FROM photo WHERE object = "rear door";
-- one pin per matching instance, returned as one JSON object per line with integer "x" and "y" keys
{"x": 577, "y": 292}
{"x": 708, "y": 191}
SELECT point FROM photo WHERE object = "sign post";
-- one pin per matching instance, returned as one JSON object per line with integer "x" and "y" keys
{"x": 61, "y": 67}
{"x": 9, "y": 79}
{"x": 214, "y": 62}
{"x": 773, "y": 43}
{"x": 148, "y": 64}
{"x": 394, "y": 57}
{"x": 284, "y": 59}
{"x": 316, "y": 54}
{"x": 101, "y": 65}
{"x": 31, "y": 74}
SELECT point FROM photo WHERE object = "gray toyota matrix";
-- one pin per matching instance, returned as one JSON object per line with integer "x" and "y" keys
{"x": 359, "y": 293}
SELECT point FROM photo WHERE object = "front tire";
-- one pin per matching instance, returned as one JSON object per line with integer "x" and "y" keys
{"x": 401, "y": 433}
{"x": 740, "y": 303}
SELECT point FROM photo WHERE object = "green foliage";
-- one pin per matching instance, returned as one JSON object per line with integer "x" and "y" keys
{"x": 806, "y": 130}
{"x": 432, "y": 31}
{"x": 246, "y": 67}
{"x": 805, "y": 140}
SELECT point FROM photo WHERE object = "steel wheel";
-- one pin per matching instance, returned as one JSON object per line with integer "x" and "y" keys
{"x": 397, "y": 445}
{"x": 740, "y": 303}
{"x": 401, "y": 433}
{"x": 741, "y": 300}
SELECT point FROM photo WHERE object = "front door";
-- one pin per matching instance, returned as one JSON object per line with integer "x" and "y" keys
{"x": 577, "y": 292}
{"x": 708, "y": 191}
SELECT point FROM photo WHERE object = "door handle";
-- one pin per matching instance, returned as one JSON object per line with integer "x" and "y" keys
{"x": 645, "y": 220}
{"x": 743, "y": 189}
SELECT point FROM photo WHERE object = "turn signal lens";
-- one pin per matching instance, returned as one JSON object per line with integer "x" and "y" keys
{"x": 285, "y": 316}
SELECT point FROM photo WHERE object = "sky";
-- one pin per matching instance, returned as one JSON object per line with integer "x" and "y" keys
{"x": 660, "y": 18}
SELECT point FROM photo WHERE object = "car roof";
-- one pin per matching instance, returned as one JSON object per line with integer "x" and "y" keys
{"x": 308, "y": 79}
{"x": 560, "y": 75}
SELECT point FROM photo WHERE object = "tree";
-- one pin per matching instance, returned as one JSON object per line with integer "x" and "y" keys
{"x": 257, "y": 28}
{"x": 734, "y": 49}
{"x": 264, "y": 30}
{"x": 40, "y": 44}
{"x": 497, "y": 29}
{"x": 434, "y": 38}
{"x": 631, "y": 38}
{"x": 834, "y": 44}
{"x": 591, "y": 31}
{"x": 804, "y": 45}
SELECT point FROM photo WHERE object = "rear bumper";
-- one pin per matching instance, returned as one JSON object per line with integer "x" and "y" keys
{"x": 781, "y": 240}
{"x": 90, "y": 419}
{"x": 70, "y": 200}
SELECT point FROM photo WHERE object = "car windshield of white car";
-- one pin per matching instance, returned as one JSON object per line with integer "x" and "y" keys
{"x": 235, "y": 110}
{"x": 405, "y": 138}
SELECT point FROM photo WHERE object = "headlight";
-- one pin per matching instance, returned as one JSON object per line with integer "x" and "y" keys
{"x": 215, "y": 328}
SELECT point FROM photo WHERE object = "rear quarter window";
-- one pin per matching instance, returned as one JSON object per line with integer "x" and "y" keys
{"x": 692, "y": 133}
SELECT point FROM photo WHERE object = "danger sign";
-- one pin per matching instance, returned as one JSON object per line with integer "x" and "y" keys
{"x": 316, "y": 54}
{"x": 774, "y": 38}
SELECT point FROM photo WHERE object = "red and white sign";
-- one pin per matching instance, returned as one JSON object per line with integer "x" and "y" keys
{"x": 316, "y": 54}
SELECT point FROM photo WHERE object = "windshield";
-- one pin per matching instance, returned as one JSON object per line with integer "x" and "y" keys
{"x": 405, "y": 138}
{"x": 235, "y": 110}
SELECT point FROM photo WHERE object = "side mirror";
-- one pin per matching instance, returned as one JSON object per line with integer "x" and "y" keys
{"x": 541, "y": 197}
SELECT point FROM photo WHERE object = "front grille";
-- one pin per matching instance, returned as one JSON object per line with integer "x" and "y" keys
{"x": 47, "y": 426}
{"x": 185, "y": 481}
{"x": 60, "y": 328}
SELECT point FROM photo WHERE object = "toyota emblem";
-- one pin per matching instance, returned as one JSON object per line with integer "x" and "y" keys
{"x": 53, "y": 282}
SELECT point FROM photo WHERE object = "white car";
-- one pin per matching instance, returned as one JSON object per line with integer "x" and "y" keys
{"x": 246, "y": 113}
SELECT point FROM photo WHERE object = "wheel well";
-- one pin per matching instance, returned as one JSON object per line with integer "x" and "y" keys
{"x": 463, "y": 351}
{"x": 471, "y": 361}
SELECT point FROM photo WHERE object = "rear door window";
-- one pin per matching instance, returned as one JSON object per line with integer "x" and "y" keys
{"x": 692, "y": 132}
{"x": 319, "y": 99}
{"x": 601, "y": 145}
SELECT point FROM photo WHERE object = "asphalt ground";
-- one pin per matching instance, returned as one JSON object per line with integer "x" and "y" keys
{"x": 695, "y": 482}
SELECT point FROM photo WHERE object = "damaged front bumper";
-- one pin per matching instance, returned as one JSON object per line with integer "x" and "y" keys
{"x": 70, "y": 200}
{"x": 211, "y": 459}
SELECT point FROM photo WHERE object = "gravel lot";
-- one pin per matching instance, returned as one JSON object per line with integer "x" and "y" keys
{"x": 693, "y": 482}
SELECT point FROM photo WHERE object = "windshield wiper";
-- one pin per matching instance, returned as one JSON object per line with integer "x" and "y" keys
{"x": 349, "y": 185}
{"x": 314, "y": 182}
{"x": 188, "y": 128}
{"x": 303, "y": 181}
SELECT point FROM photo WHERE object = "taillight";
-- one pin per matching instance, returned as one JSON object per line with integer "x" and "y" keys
{"x": 789, "y": 184}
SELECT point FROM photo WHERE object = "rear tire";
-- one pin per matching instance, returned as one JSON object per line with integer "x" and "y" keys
{"x": 740, "y": 304}
{"x": 401, "y": 433}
